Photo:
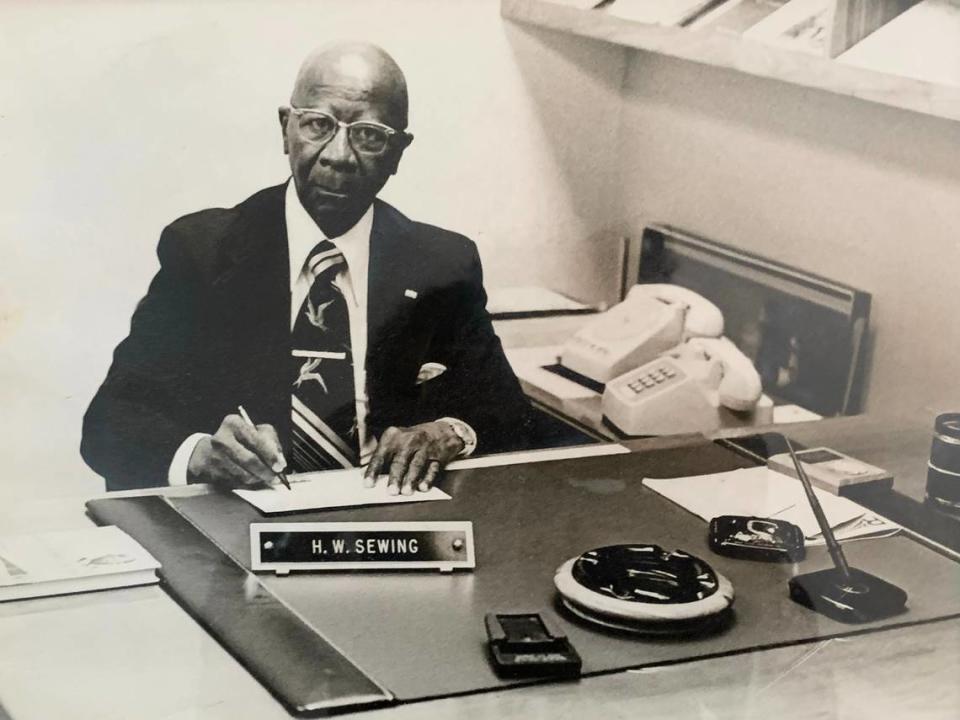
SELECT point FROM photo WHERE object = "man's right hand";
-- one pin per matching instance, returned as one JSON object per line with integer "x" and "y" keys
{"x": 237, "y": 455}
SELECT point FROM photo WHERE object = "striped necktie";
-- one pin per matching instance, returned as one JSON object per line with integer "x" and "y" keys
{"x": 324, "y": 411}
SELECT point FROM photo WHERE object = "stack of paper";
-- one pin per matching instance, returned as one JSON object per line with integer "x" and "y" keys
{"x": 56, "y": 563}
{"x": 922, "y": 43}
{"x": 659, "y": 12}
{"x": 737, "y": 16}
{"x": 579, "y": 4}
{"x": 801, "y": 25}
{"x": 762, "y": 492}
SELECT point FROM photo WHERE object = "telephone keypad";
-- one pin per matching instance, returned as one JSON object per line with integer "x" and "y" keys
{"x": 653, "y": 379}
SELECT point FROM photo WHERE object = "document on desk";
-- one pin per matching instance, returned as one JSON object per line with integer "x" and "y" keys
{"x": 71, "y": 561}
{"x": 526, "y": 457}
{"x": 330, "y": 489}
{"x": 762, "y": 492}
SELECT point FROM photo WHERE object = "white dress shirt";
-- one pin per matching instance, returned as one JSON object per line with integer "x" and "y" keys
{"x": 302, "y": 236}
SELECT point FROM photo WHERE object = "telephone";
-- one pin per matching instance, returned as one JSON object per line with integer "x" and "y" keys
{"x": 664, "y": 363}
{"x": 651, "y": 320}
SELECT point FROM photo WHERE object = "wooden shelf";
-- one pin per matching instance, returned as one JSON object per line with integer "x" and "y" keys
{"x": 727, "y": 51}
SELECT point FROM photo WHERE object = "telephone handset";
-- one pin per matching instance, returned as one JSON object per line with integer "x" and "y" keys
{"x": 739, "y": 385}
{"x": 703, "y": 319}
{"x": 651, "y": 320}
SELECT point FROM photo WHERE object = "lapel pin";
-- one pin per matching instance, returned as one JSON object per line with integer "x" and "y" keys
{"x": 412, "y": 294}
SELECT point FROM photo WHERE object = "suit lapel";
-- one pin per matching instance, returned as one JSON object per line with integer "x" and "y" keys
{"x": 256, "y": 247}
{"x": 388, "y": 277}
{"x": 391, "y": 300}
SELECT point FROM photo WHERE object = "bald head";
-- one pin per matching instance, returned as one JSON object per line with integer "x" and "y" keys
{"x": 355, "y": 71}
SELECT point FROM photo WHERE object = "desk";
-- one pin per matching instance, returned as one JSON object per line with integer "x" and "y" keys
{"x": 136, "y": 653}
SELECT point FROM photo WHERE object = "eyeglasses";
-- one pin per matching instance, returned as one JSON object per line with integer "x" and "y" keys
{"x": 364, "y": 136}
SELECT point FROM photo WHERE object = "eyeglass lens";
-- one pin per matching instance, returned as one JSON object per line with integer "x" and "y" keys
{"x": 364, "y": 137}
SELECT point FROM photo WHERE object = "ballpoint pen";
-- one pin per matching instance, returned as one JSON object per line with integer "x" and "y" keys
{"x": 280, "y": 473}
{"x": 833, "y": 547}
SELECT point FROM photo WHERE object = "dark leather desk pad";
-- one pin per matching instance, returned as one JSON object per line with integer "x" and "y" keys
{"x": 422, "y": 635}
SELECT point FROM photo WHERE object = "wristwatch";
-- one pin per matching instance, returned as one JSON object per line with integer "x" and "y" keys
{"x": 464, "y": 432}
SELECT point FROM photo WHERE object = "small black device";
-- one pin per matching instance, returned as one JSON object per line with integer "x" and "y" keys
{"x": 524, "y": 645}
{"x": 754, "y": 538}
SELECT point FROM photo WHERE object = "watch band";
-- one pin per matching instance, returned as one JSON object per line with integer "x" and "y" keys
{"x": 464, "y": 432}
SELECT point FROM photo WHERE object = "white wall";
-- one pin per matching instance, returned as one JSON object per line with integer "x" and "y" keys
{"x": 857, "y": 192}
{"x": 117, "y": 117}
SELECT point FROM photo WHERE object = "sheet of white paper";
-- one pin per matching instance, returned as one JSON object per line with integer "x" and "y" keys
{"x": 533, "y": 456}
{"x": 756, "y": 492}
{"x": 528, "y": 298}
{"x": 331, "y": 489}
{"x": 344, "y": 488}
{"x": 869, "y": 526}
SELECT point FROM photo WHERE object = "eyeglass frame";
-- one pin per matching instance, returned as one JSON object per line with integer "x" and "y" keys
{"x": 391, "y": 132}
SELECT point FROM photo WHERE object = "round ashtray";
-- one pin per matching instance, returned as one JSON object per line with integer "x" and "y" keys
{"x": 643, "y": 588}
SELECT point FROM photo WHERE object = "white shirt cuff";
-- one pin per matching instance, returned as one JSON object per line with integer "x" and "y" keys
{"x": 177, "y": 474}
{"x": 464, "y": 432}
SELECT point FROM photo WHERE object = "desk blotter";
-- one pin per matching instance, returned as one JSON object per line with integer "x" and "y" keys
{"x": 422, "y": 635}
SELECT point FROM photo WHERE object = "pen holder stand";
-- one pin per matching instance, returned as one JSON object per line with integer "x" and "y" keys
{"x": 859, "y": 598}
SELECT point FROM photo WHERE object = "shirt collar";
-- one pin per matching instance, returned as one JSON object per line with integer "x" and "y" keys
{"x": 303, "y": 234}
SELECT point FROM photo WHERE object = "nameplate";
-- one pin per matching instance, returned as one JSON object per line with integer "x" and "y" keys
{"x": 428, "y": 545}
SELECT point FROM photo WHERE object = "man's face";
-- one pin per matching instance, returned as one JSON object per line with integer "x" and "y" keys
{"x": 335, "y": 181}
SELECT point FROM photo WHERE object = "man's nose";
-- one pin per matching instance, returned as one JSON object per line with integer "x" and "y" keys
{"x": 338, "y": 153}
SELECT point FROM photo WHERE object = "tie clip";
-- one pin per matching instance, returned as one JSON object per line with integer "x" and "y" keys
{"x": 320, "y": 354}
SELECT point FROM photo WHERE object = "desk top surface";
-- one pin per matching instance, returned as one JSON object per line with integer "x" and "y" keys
{"x": 528, "y": 520}
{"x": 101, "y": 655}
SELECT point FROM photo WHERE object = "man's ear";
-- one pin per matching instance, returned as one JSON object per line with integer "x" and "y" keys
{"x": 402, "y": 145}
{"x": 284, "y": 114}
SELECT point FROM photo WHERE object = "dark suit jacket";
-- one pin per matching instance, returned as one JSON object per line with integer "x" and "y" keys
{"x": 214, "y": 331}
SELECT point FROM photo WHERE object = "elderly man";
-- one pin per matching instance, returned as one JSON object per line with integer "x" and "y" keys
{"x": 353, "y": 334}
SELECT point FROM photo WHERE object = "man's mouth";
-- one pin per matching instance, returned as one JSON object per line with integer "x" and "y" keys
{"x": 332, "y": 192}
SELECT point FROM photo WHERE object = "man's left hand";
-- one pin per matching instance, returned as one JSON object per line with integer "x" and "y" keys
{"x": 414, "y": 456}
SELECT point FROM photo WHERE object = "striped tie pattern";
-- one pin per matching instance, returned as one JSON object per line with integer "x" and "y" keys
{"x": 323, "y": 401}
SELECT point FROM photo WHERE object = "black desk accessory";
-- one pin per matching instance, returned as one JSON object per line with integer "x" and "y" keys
{"x": 754, "y": 538}
{"x": 841, "y": 592}
{"x": 526, "y": 645}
